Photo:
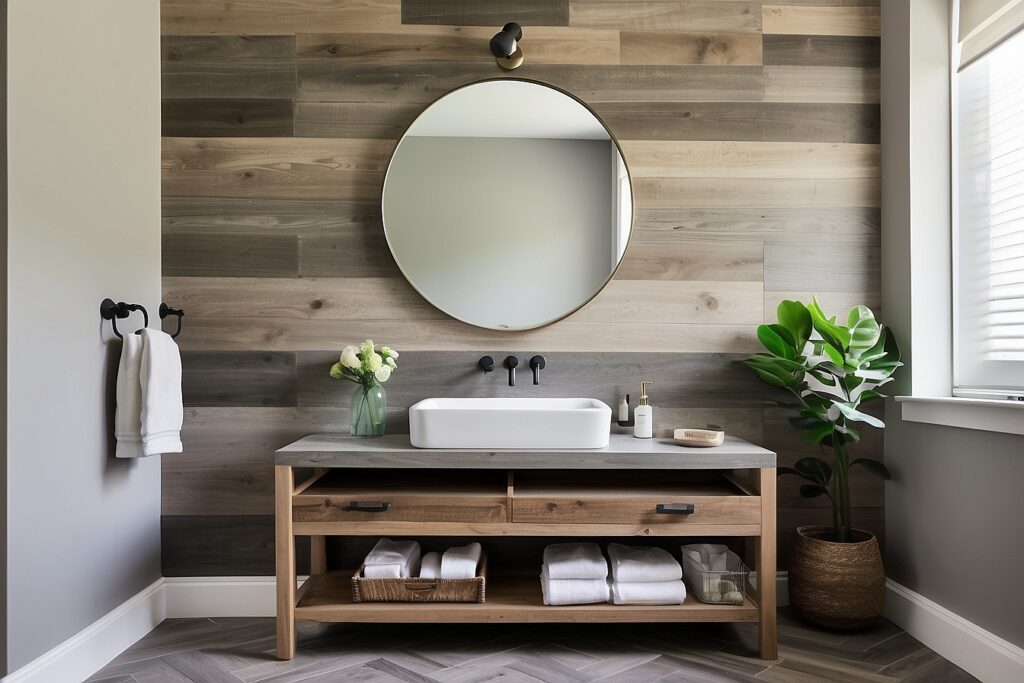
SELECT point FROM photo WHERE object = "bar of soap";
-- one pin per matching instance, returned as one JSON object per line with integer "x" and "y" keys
{"x": 699, "y": 438}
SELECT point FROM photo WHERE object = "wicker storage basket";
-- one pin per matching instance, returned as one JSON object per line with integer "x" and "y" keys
{"x": 421, "y": 590}
{"x": 727, "y": 587}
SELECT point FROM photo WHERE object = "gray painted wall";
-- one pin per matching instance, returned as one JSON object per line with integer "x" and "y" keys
{"x": 3, "y": 333}
{"x": 953, "y": 507}
{"x": 84, "y": 223}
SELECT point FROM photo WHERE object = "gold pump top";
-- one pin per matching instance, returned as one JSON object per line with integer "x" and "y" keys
{"x": 643, "y": 392}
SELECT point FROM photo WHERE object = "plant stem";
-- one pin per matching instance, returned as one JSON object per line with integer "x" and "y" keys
{"x": 843, "y": 530}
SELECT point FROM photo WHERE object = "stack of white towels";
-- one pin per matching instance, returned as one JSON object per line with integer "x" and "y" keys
{"x": 402, "y": 559}
{"x": 574, "y": 574}
{"x": 645, "y": 576}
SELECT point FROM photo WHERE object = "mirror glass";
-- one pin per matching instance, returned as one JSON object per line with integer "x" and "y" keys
{"x": 507, "y": 204}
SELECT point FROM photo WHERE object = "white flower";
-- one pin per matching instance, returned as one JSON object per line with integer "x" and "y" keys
{"x": 349, "y": 358}
{"x": 390, "y": 362}
{"x": 373, "y": 363}
{"x": 383, "y": 373}
{"x": 394, "y": 354}
{"x": 385, "y": 351}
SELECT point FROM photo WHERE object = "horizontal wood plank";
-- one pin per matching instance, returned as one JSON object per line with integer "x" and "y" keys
{"x": 222, "y": 545}
{"x": 274, "y": 17}
{"x": 767, "y": 192}
{"x": 276, "y": 154}
{"x": 789, "y": 266}
{"x": 751, "y": 159}
{"x": 849, "y": 51}
{"x": 842, "y": 224}
{"x": 230, "y": 255}
{"x": 670, "y": 47}
{"x": 698, "y": 260}
{"x": 821, "y": 84}
{"x": 212, "y": 117}
{"x": 547, "y": 45}
{"x": 675, "y": 15}
{"x": 238, "y": 378}
{"x": 381, "y": 120}
{"x": 324, "y": 80}
{"x": 200, "y": 215}
{"x": 718, "y": 121}
{"x": 830, "y": 21}
{"x": 228, "y": 66}
{"x": 474, "y": 13}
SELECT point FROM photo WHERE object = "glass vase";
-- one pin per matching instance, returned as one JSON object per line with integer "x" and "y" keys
{"x": 369, "y": 410}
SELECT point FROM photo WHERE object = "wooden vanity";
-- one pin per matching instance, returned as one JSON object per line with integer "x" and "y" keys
{"x": 611, "y": 492}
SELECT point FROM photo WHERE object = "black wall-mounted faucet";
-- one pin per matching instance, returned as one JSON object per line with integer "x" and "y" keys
{"x": 537, "y": 363}
{"x": 486, "y": 364}
{"x": 511, "y": 362}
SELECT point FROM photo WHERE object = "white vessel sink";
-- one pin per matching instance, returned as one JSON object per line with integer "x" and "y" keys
{"x": 541, "y": 423}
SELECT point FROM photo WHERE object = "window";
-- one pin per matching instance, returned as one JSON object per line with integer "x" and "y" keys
{"x": 988, "y": 343}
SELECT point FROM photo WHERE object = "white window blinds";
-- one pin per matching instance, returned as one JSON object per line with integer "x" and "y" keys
{"x": 989, "y": 253}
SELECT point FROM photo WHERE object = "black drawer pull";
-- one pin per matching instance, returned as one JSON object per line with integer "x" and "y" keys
{"x": 368, "y": 506}
{"x": 674, "y": 508}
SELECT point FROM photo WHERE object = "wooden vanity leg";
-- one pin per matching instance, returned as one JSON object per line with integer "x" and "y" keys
{"x": 284, "y": 557}
{"x": 766, "y": 567}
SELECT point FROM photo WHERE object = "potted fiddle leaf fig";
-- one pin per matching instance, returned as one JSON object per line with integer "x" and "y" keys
{"x": 836, "y": 576}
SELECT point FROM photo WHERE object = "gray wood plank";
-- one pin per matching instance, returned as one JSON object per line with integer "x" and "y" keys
{"x": 771, "y": 121}
{"x": 838, "y": 224}
{"x": 475, "y": 13}
{"x": 274, "y": 217}
{"x": 353, "y": 253}
{"x": 859, "y": 51}
{"x": 624, "y": 451}
{"x": 225, "y": 117}
{"x": 223, "y": 546}
{"x": 327, "y": 80}
{"x": 238, "y": 378}
{"x": 230, "y": 255}
{"x": 373, "y": 120}
{"x": 228, "y": 66}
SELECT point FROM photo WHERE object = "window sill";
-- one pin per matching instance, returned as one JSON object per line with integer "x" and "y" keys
{"x": 966, "y": 413}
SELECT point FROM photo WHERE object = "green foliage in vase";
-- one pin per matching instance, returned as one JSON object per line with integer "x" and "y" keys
{"x": 832, "y": 370}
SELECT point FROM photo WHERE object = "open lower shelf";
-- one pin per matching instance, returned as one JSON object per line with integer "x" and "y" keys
{"x": 512, "y": 599}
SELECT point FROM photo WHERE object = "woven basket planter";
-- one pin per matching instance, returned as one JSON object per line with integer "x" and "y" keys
{"x": 836, "y": 585}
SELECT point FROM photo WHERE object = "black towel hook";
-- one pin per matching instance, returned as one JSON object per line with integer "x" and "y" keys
{"x": 112, "y": 311}
{"x": 166, "y": 310}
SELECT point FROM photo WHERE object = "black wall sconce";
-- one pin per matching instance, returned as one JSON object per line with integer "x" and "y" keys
{"x": 505, "y": 46}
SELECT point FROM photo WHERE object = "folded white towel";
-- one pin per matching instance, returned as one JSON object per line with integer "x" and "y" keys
{"x": 572, "y": 591}
{"x": 638, "y": 564}
{"x": 430, "y": 568}
{"x": 160, "y": 381}
{"x": 575, "y": 561}
{"x": 649, "y": 593}
{"x": 717, "y": 555}
{"x": 460, "y": 562}
{"x": 127, "y": 416}
{"x": 392, "y": 560}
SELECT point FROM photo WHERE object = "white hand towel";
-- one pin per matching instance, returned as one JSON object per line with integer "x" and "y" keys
{"x": 127, "y": 416}
{"x": 572, "y": 591}
{"x": 392, "y": 560}
{"x": 160, "y": 380}
{"x": 460, "y": 562}
{"x": 430, "y": 568}
{"x": 638, "y": 564}
{"x": 649, "y": 593}
{"x": 575, "y": 561}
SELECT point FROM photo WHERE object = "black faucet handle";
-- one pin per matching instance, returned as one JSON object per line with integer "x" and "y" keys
{"x": 511, "y": 362}
{"x": 537, "y": 363}
{"x": 486, "y": 364}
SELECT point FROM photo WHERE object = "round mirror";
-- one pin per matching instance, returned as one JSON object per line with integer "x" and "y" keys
{"x": 507, "y": 204}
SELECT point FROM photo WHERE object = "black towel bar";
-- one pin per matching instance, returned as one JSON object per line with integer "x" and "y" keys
{"x": 112, "y": 311}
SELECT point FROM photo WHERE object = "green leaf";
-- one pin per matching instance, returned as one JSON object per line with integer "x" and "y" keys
{"x": 774, "y": 342}
{"x": 874, "y": 467}
{"x": 768, "y": 359}
{"x": 769, "y": 378}
{"x": 804, "y": 422}
{"x": 794, "y": 316}
{"x": 864, "y": 331}
{"x": 766, "y": 366}
{"x": 831, "y": 368}
{"x": 851, "y": 413}
{"x": 822, "y": 433}
{"x": 812, "y": 490}
{"x": 836, "y": 335}
{"x": 834, "y": 355}
{"x": 815, "y": 469}
{"x": 786, "y": 470}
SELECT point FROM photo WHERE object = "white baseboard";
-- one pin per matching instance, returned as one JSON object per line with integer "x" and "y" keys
{"x": 221, "y": 596}
{"x": 982, "y": 654}
{"x": 89, "y": 650}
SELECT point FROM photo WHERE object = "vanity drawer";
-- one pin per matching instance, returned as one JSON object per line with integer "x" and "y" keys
{"x": 372, "y": 496}
{"x": 623, "y": 499}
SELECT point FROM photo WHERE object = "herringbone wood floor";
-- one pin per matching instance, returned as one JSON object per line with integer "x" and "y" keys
{"x": 233, "y": 650}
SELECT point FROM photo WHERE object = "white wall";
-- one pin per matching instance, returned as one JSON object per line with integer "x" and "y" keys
{"x": 84, "y": 223}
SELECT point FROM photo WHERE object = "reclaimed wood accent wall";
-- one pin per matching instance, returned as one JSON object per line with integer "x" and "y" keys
{"x": 751, "y": 130}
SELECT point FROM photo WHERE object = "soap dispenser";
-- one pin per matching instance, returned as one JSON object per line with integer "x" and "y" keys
{"x": 643, "y": 415}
